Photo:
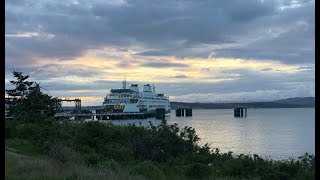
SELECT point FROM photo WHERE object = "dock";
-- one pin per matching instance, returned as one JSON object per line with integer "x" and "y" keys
{"x": 103, "y": 116}
{"x": 158, "y": 114}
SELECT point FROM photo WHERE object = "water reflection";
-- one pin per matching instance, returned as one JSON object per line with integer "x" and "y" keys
{"x": 273, "y": 133}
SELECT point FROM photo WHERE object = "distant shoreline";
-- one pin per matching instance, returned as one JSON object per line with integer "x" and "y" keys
{"x": 251, "y": 108}
{"x": 298, "y": 102}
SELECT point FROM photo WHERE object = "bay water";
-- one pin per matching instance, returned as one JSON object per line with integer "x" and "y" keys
{"x": 278, "y": 133}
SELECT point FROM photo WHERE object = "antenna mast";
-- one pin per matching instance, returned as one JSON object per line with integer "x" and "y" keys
{"x": 124, "y": 83}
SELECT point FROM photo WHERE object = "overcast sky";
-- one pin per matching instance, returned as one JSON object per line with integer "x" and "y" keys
{"x": 192, "y": 50}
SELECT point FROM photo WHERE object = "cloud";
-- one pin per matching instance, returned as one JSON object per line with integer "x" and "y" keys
{"x": 163, "y": 64}
{"x": 169, "y": 26}
{"x": 74, "y": 44}
{"x": 179, "y": 76}
{"x": 254, "y": 96}
{"x": 61, "y": 71}
{"x": 253, "y": 85}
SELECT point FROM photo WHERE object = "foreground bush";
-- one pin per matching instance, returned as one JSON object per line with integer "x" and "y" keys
{"x": 61, "y": 153}
{"x": 154, "y": 152}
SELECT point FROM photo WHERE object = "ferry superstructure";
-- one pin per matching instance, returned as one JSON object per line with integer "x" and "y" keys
{"x": 132, "y": 100}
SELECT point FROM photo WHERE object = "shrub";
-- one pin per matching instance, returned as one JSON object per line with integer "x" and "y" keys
{"x": 147, "y": 169}
{"x": 61, "y": 153}
{"x": 10, "y": 128}
{"x": 198, "y": 170}
{"x": 92, "y": 159}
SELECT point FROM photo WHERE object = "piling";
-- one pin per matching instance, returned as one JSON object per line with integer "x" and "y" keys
{"x": 240, "y": 112}
{"x": 160, "y": 113}
{"x": 178, "y": 112}
{"x": 188, "y": 112}
{"x": 184, "y": 112}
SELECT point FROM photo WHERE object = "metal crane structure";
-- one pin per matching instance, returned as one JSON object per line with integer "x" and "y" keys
{"x": 77, "y": 103}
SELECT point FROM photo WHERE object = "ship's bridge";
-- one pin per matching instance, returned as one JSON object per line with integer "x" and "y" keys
{"x": 135, "y": 88}
{"x": 122, "y": 91}
{"x": 147, "y": 88}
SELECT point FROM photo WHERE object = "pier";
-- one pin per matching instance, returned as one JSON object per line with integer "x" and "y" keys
{"x": 100, "y": 114}
{"x": 240, "y": 111}
{"x": 103, "y": 116}
{"x": 184, "y": 112}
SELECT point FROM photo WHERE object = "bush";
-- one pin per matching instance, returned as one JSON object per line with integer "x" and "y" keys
{"x": 61, "y": 153}
{"x": 92, "y": 159}
{"x": 10, "y": 128}
{"x": 147, "y": 169}
{"x": 198, "y": 170}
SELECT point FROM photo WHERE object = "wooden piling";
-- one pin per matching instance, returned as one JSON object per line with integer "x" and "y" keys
{"x": 160, "y": 113}
{"x": 188, "y": 112}
{"x": 240, "y": 112}
{"x": 184, "y": 112}
{"x": 178, "y": 112}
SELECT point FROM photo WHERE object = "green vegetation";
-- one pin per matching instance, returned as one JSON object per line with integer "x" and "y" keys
{"x": 29, "y": 104}
{"x": 40, "y": 147}
{"x": 153, "y": 152}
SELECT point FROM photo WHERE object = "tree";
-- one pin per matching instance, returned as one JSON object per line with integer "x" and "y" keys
{"x": 22, "y": 86}
{"x": 30, "y": 104}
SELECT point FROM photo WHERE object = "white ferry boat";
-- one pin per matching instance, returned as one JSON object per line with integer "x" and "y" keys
{"x": 132, "y": 100}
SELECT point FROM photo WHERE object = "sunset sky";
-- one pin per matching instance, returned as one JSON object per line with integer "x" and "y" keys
{"x": 192, "y": 50}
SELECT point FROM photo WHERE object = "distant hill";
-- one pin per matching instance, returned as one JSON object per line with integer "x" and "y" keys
{"x": 298, "y": 102}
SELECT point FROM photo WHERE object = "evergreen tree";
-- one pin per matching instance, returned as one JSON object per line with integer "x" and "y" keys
{"x": 30, "y": 104}
{"x": 22, "y": 86}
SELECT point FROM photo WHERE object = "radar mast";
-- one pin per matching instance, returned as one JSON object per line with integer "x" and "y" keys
{"x": 124, "y": 83}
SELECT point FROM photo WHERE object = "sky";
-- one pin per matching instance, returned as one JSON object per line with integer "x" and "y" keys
{"x": 192, "y": 50}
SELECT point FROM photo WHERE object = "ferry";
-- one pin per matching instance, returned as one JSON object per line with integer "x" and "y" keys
{"x": 132, "y": 100}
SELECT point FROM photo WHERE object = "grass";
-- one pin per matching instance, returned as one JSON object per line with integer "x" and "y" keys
{"x": 22, "y": 145}
{"x": 19, "y": 166}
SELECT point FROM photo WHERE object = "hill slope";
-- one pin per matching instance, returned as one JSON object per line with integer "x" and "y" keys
{"x": 298, "y": 102}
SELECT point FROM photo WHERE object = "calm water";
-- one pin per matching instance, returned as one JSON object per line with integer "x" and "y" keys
{"x": 271, "y": 133}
